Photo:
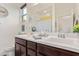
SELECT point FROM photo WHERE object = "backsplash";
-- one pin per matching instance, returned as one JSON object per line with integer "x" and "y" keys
{"x": 67, "y": 35}
{"x": 72, "y": 35}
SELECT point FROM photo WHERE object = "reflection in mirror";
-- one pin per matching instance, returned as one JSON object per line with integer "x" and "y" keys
{"x": 65, "y": 17}
{"x": 23, "y": 28}
{"x": 51, "y": 17}
{"x": 33, "y": 29}
{"x": 41, "y": 18}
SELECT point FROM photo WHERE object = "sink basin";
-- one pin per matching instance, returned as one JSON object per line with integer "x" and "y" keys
{"x": 60, "y": 40}
{"x": 37, "y": 37}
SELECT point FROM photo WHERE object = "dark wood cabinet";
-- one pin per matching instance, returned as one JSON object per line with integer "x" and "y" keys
{"x": 31, "y": 52}
{"x": 63, "y": 52}
{"x": 20, "y": 47}
{"x": 20, "y": 41}
{"x": 29, "y": 48}
{"x": 25, "y": 47}
{"x": 17, "y": 49}
{"x": 46, "y": 50}
{"x": 23, "y": 51}
{"x": 20, "y": 50}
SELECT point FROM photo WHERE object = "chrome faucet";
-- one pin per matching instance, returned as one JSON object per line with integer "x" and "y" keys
{"x": 61, "y": 35}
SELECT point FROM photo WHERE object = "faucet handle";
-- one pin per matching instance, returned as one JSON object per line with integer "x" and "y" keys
{"x": 63, "y": 35}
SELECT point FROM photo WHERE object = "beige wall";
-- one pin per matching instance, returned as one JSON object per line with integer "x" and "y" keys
{"x": 9, "y": 27}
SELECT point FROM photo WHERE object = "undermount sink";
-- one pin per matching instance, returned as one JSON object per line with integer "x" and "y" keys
{"x": 60, "y": 40}
{"x": 39, "y": 36}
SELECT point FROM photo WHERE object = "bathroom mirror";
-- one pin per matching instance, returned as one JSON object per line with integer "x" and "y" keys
{"x": 40, "y": 17}
{"x": 52, "y": 17}
{"x": 66, "y": 17}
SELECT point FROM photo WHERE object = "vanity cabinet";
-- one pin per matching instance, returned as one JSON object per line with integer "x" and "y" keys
{"x": 17, "y": 49}
{"x": 20, "y": 47}
{"x": 45, "y": 50}
{"x": 31, "y": 48}
{"x": 63, "y": 52}
{"x": 25, "y": 47}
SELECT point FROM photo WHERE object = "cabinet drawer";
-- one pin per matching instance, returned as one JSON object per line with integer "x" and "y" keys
{"x": 46, "y": 50}
{"x": 31, "y": 45}
{"x": 20, "y": 41}
{"x": 31, "y": 52}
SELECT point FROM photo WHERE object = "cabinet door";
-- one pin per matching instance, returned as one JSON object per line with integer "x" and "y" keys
{"x": 31, "y": 45}
{"x": 46, "y": 50}
{"x": 31, "y": 52}
{"x": 22, "y": 50}
{"x": 17, "y": 49}
{"x": 31, "y": 48}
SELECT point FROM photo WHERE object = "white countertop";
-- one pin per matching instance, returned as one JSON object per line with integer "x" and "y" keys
{"x": 71, "y": 44}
